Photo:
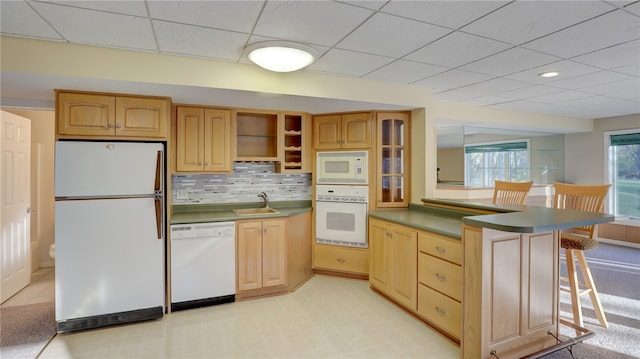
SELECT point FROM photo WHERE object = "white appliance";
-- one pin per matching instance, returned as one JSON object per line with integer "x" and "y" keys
{"x": 203, "y": 266}
{"x": 341, "y": 215}
{"x": 342, "y": 167}
{"x": 109, "y": 233}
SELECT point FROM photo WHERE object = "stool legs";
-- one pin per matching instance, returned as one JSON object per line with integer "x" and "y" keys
{"x": 576, "y": 292}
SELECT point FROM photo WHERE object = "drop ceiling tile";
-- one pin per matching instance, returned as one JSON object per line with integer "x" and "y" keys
{"x": 523, "y": 21}
{"x": 452, "y": 79}
{"x": 487, "y": 100}
{"x": 224, "y": 15}
{"x": 316, "y": 22}
{"x": 350, "y": 63}
{"x": 131, "y": 7}
{"x": 590, "y": 79}
{"x": 199, "y": 41}
{"x": 633, "y": 70}
{"x": 566, "y": 68}
{"x": 626, "y": 89}
{"x": 530, "y": 91}
{"x": 633, "y": 8}
{"x": 98, "y": 28}
{"x": 387, "y": 35}
{"x": 493, "y": 86}
{"x": 605, "y": 103}
{"x": 509, "y": 62}
{"x": 369, "y": 4}
{"x": 405, "y": 71}
{"x": 611, "y": 57}
{"x": 18, "y": 18}
{"x": 451, "y": 14}
{"x": 560, "y": 97}
{"x": 457, "y": 49}
{"x": 611, "y": 29}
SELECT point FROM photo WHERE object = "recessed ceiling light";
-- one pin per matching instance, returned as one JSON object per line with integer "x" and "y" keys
{"x": 281, "y": 56}
{"x": 549, "y": 74}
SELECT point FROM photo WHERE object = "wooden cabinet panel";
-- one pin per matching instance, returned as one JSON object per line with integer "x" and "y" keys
{"x": 203, "y": 139}
{"x": 379, "y": 247}
{"x": 348, "y": 131}
{"x": 86, "y": 114}
{"x": 141, "y": 117}
{"x": 440, "y": 275}
{"x": 439, "y": 246}
{"x": 189, "y": 138}
{"x": 261, "y": 254}
{"x": 217, "y": 140}
{"x": 341, "y": 259}
{"x": 441, "y": 310}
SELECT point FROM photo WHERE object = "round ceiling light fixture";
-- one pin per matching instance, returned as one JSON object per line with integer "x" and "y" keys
{"x": 549, "y": 74}
{"x": 281, "y": 56}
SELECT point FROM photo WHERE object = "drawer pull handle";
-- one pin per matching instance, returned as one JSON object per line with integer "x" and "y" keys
{"x": 341, "y": 260}
{"x": 441, "y": 311}
{"x": 441, "y": 249}
{"x": 441, "y": 277}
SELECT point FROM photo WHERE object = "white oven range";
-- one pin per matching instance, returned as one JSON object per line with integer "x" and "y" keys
{"x": 341, "y": 215}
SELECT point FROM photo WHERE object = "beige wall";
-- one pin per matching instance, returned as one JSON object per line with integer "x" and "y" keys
{"x": 451, "y": 164}
{"x": 42, "y": 137}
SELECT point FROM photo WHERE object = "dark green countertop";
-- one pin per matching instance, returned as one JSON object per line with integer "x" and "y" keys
{"x": 200, "y": 213}
{"x": 519, "y": 219}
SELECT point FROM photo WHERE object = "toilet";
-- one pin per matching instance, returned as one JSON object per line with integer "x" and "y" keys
{"x": 52, "y": 251}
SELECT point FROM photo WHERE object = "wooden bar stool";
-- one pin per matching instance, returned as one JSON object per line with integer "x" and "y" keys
{"x": 511, "y": 192}
{"x": 576, "y": 240}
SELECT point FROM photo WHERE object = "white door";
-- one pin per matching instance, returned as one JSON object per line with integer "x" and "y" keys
{"x": 15, "y": 167}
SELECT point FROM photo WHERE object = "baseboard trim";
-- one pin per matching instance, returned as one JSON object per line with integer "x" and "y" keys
{"x": 620, "y": 243}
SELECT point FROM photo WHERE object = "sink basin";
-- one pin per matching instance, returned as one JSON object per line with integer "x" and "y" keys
{"x": 254, "y": 211}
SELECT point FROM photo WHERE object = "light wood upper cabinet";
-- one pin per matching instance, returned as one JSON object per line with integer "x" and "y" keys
{"x": 109, "y": 116}
{"x": 203, "y": 139}
{"x": 261, "y": 250}
{"x": 348, "y": 131}
{"x": 393, "y": 270}
{"x": 392, "y": 159}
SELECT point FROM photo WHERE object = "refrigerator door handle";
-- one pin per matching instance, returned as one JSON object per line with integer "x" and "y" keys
{"x": 159, "y": 200}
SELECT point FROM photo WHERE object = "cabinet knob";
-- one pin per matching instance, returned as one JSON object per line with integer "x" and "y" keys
{"x": 341, "y": 260}
{"x": 206, "y": 163}
{"x": 441, "y": 311}
{"x": 118, "y": 125}
{"x": 441, "y": 249}
{"x": 441, "y": 277}
{"x": 199, "y": 163}
{"x": 110, "y": 125}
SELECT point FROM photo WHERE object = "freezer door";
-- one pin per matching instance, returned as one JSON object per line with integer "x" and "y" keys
{"x": 91, "y": 169}
{"x": 108, "y": 257}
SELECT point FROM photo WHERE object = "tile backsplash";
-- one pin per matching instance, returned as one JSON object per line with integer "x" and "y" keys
{"x": 243, "y": 185}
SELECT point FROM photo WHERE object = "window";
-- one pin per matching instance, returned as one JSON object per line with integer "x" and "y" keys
{"x": 624, "y": 173}
{"x": 505, "y": 161}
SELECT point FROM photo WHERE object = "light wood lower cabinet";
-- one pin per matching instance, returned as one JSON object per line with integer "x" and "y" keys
{"x": 261, "y": 253}
{"x": 510, "y": 292}
{"x": 393, "y": 261}
{"x": 341, "y": 259}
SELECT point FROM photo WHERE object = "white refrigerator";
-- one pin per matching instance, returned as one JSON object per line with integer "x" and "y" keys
{"x": 109, "y": 233}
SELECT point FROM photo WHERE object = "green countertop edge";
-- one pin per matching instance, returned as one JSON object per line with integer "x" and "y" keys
{"x": 435, "y": 220}
{"x": 201, "y": 213}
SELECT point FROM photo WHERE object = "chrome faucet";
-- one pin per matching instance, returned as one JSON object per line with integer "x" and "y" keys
{"x": 265, "y": 198}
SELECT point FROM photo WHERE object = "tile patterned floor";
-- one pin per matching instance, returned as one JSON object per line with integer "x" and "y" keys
{"x": 328, "y": 317}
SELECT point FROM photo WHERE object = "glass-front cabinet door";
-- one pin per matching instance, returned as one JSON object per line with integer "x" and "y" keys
{"x": 393, "y": 159}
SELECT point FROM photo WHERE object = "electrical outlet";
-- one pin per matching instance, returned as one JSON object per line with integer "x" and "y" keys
{"x": 183, "y": 194}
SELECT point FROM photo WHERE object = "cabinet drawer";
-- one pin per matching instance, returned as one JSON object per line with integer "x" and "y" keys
{"x": 440, "y": 310}
{"x": 344, "y": 259}
{"x": 440, "y": 275}
{"x": 443, "y": 247}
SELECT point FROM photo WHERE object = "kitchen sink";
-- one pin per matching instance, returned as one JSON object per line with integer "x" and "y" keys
{"x": 254, "y": 211}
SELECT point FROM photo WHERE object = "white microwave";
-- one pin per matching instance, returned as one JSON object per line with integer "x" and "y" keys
{"x": 343, "y": 167}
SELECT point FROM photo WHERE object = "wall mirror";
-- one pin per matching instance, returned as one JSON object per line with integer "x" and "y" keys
{"x": 473, "y": 156}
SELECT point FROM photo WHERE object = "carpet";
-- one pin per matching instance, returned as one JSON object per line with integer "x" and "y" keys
{"x": 26, "y": 329}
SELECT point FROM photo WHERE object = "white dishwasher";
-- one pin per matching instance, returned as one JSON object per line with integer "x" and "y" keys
{"x": 203, "y": 264}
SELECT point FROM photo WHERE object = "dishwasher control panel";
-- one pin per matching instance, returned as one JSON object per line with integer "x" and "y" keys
{"x": 199, "y": 230}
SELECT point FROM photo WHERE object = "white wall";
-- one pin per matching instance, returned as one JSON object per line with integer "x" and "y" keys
{"x": 584, "y": 152}
{"x": 43, "y": 133}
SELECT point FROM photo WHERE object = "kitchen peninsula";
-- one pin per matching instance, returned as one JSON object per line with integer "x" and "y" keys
{"x": 484, "y": 275}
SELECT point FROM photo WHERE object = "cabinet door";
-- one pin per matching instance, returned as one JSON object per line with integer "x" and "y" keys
{"x": 327, "y": 132}
{"x": 86, "y": 114}
{"x": 274, "y": 263}
{"x": 217, "y": 140}
{"x": 249, "y": 237}
{"x": 189, "y": 139}
{"x": 404, "y": 259}
{"x": 142, "y": 117}
{"x": 393, "y": 160}
{"x": 356, "y": 131}
{"x": 379, "y": 246}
